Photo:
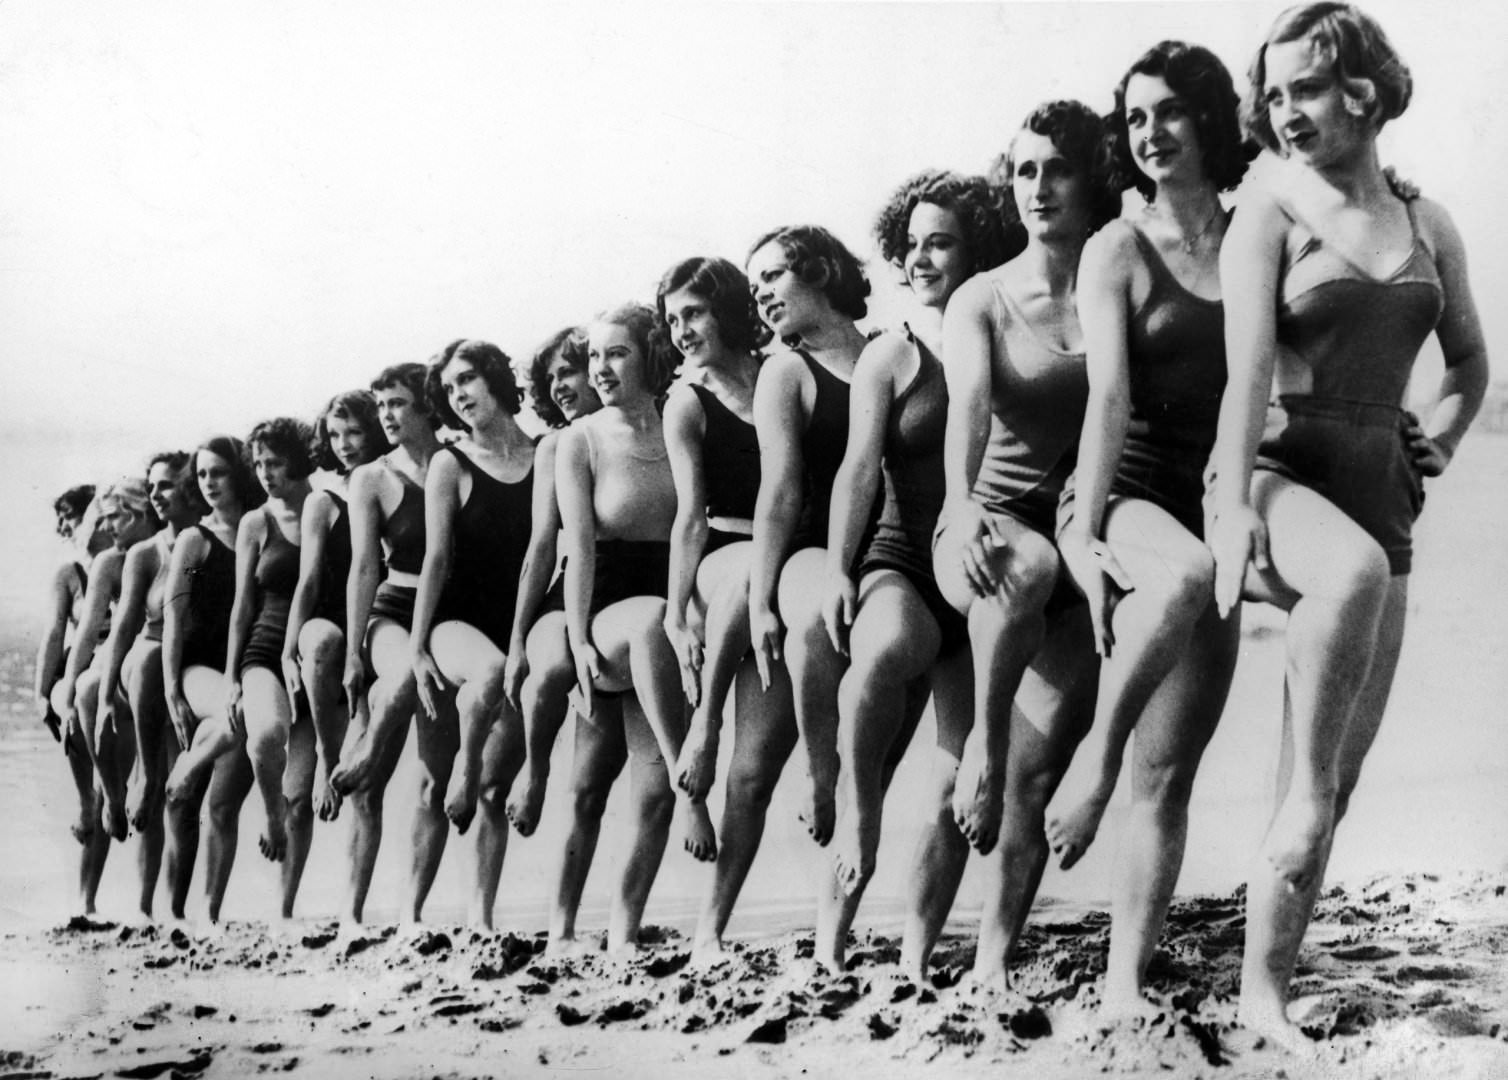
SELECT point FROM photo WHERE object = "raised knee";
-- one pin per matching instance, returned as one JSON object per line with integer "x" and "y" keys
{"x": 1030, "y": 568}
{"x": 1191, "y": 585}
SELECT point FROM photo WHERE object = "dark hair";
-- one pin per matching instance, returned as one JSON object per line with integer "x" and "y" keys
{"x": 570, "y": 344}
{"x": 357, "y": 407}
{"x": 984, "y": 215}
{"x": 73, "y": 502}
{"x": 726, "y": 290}
{"x": 411, "y": 377}
{"x": 661, "y": 358}
{"x": 820, "y": 260}
{"x": 243, "y": 481}
{"x": 181, "y": 462}
{"x": 287, "y": 438}
{"x": 1198, "y": 77}
{"x": 1078, "y": 133}
{"x": 1370, "y": 72}
{"x": 490, "y": 362}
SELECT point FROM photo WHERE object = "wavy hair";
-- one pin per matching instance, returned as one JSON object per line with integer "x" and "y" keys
{"x": 288, "y": 438}
{"x": 412, "y": 377}
{"x": 726, "y": 290}
{"x": 984, "y": 214}
{"x": 661, "y": 358}
{"x": 821, "y": 260}
{"x": 357, "y": 407}
{"x": 1079, "y": 134}
{"x": 490, "y": 362}
{"x": 569, "y": 344}
{"x": 243, "y": 480}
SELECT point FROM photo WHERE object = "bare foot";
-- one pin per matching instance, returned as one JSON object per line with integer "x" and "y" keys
{"x": 708, "y": 953}
{"x": 1070, "y": 833}
{"x": 526, "y": 800}
{"x": 460, "y": 799}
{"x": 356, "y": 764}
{"x": 141, "y": 803}
{"x": 1129, "y": 1003}
{"x": 853, "y": 860}
{"x": 113, "y": 816}
{"x": 819, "y": 809}
{"x": 696, "y": 768}
{"x": 978, "y": 796}
{"x": 324, "y": 796}
{"x": 1269, "y": 1020}
{"x": 1296, "y": 840}
{"x": 83, "y": 828}
{"x": 701, "y": 838}
{"x": 274, "y": 842}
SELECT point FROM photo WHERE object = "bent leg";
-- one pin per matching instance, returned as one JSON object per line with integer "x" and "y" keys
{"x": 544, "y": 700}
{"x": 264, "y": 704}
{"x": 723, "y": 580}
{"x": 322, "y": 648}
{"x": 298, "y": 789}
{"x": 230, "y": 782}
{"x": 816, "y": 670}
{"x": 438, "y": 741}
{"x": 390, "y": 703}
{"x": 474, "y": 665}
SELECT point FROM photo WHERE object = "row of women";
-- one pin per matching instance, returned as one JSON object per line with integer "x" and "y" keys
{"x": 1039, "y": 504}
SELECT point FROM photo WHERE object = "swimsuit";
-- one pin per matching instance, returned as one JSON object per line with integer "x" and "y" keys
{"x": 491, "y": 538}
{"x": 730, "y": 459}
{"x": 823, "y": 445}
{"x": 626, "y": 568}
{"x": 212, "y": 591}
{"x": 276, "y": 578}
{"x": 403, "y": 533}
{"x": 157, "y": 590}
{"x": 631, "y": 567}
{"x": 914, "y": 489}
{"x": 1359, "y": 337}
{"x": 336, "y": 570}
{"x": 1176, "y": 362}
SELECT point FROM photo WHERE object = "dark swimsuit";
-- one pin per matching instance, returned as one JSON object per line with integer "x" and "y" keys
{"x": 730, "y": 466}
{"x": 336, "y": 571}
{"x": 276, "y": 578}
{"x": 404, "y": 534}
{"x": 1176, "y": 361}
{"x": 491, "y": 538}
{"x": 212, "y": 592}
{"x": 914, "y": 491}
{"x": 823, "y": 445}
{"x": 1359, "y": 336}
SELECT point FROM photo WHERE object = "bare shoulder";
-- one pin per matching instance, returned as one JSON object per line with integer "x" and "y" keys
{"x": 976, "y": 296}
{"x": 885, "y": 356}
{"x": 1114, "y": 244}
{"x": 1437, "y": 228}
{"x": 683, "y": 407}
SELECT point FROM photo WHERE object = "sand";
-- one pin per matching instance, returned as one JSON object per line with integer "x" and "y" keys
{"x": 1401, "y": 976}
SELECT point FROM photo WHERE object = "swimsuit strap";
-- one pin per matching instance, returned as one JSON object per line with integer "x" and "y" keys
{"x": 1162, "y": 274}
{"x": 83, "y": 576}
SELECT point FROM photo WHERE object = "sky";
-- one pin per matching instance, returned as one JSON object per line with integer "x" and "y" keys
{"x": 214, "y": 213}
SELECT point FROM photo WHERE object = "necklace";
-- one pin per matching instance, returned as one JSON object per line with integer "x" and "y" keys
{"x": 1189, "y": 243}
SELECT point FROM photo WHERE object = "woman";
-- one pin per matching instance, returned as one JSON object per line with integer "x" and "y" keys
{"x": 133, "y": 659}
{"x": 617, "y": 506}
{"x": 1012, "y": 353}
{"x": 1333, "y": 282}
{"x": 65, "y": 594}
{"x": 539, "y": 671}
{"x": 1132, "y": 518}
{"x": 882, "y": 608}
{"x": 387, "y": 525}
{"x": 347, "y": 435}
{"x": 201, "y": 590}
{"x": 714, "y": 457}
{"x": 809, "y": 289}
{"x": 127, "y": 517}
{"x": 476, "y": 520}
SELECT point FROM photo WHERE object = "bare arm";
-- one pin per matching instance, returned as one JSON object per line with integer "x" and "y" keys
{"x": 573, "y": 489}
{"x": 104, "y": 586}
{"x": 54, "y": 634}
{"x": 366, "y": 566}
{"x": 130, "y": 614}
{"x": 539, "y": 565}
{"x": 967, "y": 334}
{"x": 250, "y": 537}
{"x": 685, "y": 428}
{"x": 442, "y": 501}
{"x": 189, "y": 554}
{"x": 779, "y": 420}
{"x": 313, "y": 530}
{"x": 1459, "y": 331}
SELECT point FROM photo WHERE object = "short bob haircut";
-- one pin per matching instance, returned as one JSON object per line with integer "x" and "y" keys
{"x": 243, "y": 481}
{"x": 357, "y": 407}
{"x": 129, "y": 493}
{"x": 413, "y": 378}
{"x": 288, "y": 438}
{"x": 1374, "y": 79}
{"x": 72, "y": 503}
{"x": 1079, "y": 134}
{"x": 1198, "y": 77}
{"x": 568, "y": 344}
{"x": 182, "y": 463}
{"x": 983, "y": 213}
{"x": 726, "y": 290}
{"x": 492, "y": 364}
{"x": 661, "y": 358}
{"x": 820, "y": 260}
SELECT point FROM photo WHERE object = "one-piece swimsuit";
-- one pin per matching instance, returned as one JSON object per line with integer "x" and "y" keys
{"x": 490, "y": 540}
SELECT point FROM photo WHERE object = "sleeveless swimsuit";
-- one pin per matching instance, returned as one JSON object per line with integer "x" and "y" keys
{"x": 823, "y": 445}
{"x": 730, "y": 466}
{"x": 276, "y": 578}
{"x": 1176, "y": 361}
{"x": 626, "y": 568}
{"x": 157, "y": 591}
{"x": 212, "y": 591}
{"x": 1359, "y": 336}
{"x": 914, "y": 491}
{"x": 336, "y": 571}
{"x": 403, "y": 533}
{"x": 491, "y": 538}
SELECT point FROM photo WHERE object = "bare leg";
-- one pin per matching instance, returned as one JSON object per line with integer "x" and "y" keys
{"x": 1005, "y": 631}
{"x": 653, "y": 807}
{"x": 322, "y": 657}
{"x": 264, "y": 703}
{"x": 1170, "y": 739}
{"x": 366, "y": 831}
{"x": 298, "y": 787}
{"x": 439, "y": 740}
{"x": 1055, "y": 708}
{"x": 1173, "y": 574}
{"x": 723, "y": 578}
{"x": 113, "y": 752}
{"x": 816, "y": 670}
{"x": 230, "y": 783}
{"x": 391, "y": 699}
{"x": 600, "y": 755}
{"x": 90, "y": 830}
{"x": 502, "y": 758}
{"x": 543, "y": 699}
{"x": 764, "y": 734}
{"x": 941, "y": 850}
{"x": 142, "y": 675}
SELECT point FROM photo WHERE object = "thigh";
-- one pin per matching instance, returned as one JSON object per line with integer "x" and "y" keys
{"x": 142, "y": 673}
{"x": 1150, "y": 543}
{"x": 802, "y": 580}
{"x": 388, "y": 649}
{"x": 725, "y": 566}
{"x": 320, "y": 635}
{"x": 643, "y": 747}
{"x": 1372, "y": 703}
{"x": 204, "y": 687}
{"x": 1314, "y": 545}
{"x": 438, "y": 738}
{"x": 1025, "y": 561}
{"x": 953, "y": 700}
{"x": 463, "y": 653}
{"x": 1055, "y": 704}
{"x": 601, "y": 749}
{"x": 764, "y": 721}
{"x": 264, "y": 701}
{"x": 1185, "y": 708}
{"x": 892, "y": 627}
{"x": 615, "y": 628}
{"x": 547, "y": 645}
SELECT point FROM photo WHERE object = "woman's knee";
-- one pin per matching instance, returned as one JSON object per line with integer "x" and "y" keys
{"x": 224, "y": 813}
{"x": 589, "y": 800}
{"x": 655, "y": 804}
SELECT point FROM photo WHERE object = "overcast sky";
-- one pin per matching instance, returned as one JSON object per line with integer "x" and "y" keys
{"x": 212, "y": 213}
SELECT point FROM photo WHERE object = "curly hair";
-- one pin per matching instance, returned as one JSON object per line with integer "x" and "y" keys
{"x": 490, "y": 362}
{"x": 820, "y": 260}
{"x": 1374, "y": 79}
{"x": 569, "y": 344}
{"x": 412, "y": 377}
{"x": 72, "y": 504}
{"x": 130, "y": 494}
{"x": 726, "y": 290}
{"x": 288, "y": 438}
{"x": 661, "y": 358}
{"x": 357, "y": 407}
{"x": 243, "y": 481}
{"x": 1079, "y": 134}
{"x": 984, "y": 215}
{"x": 1204, "y": 84}
{"x": 181, "y": 462}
